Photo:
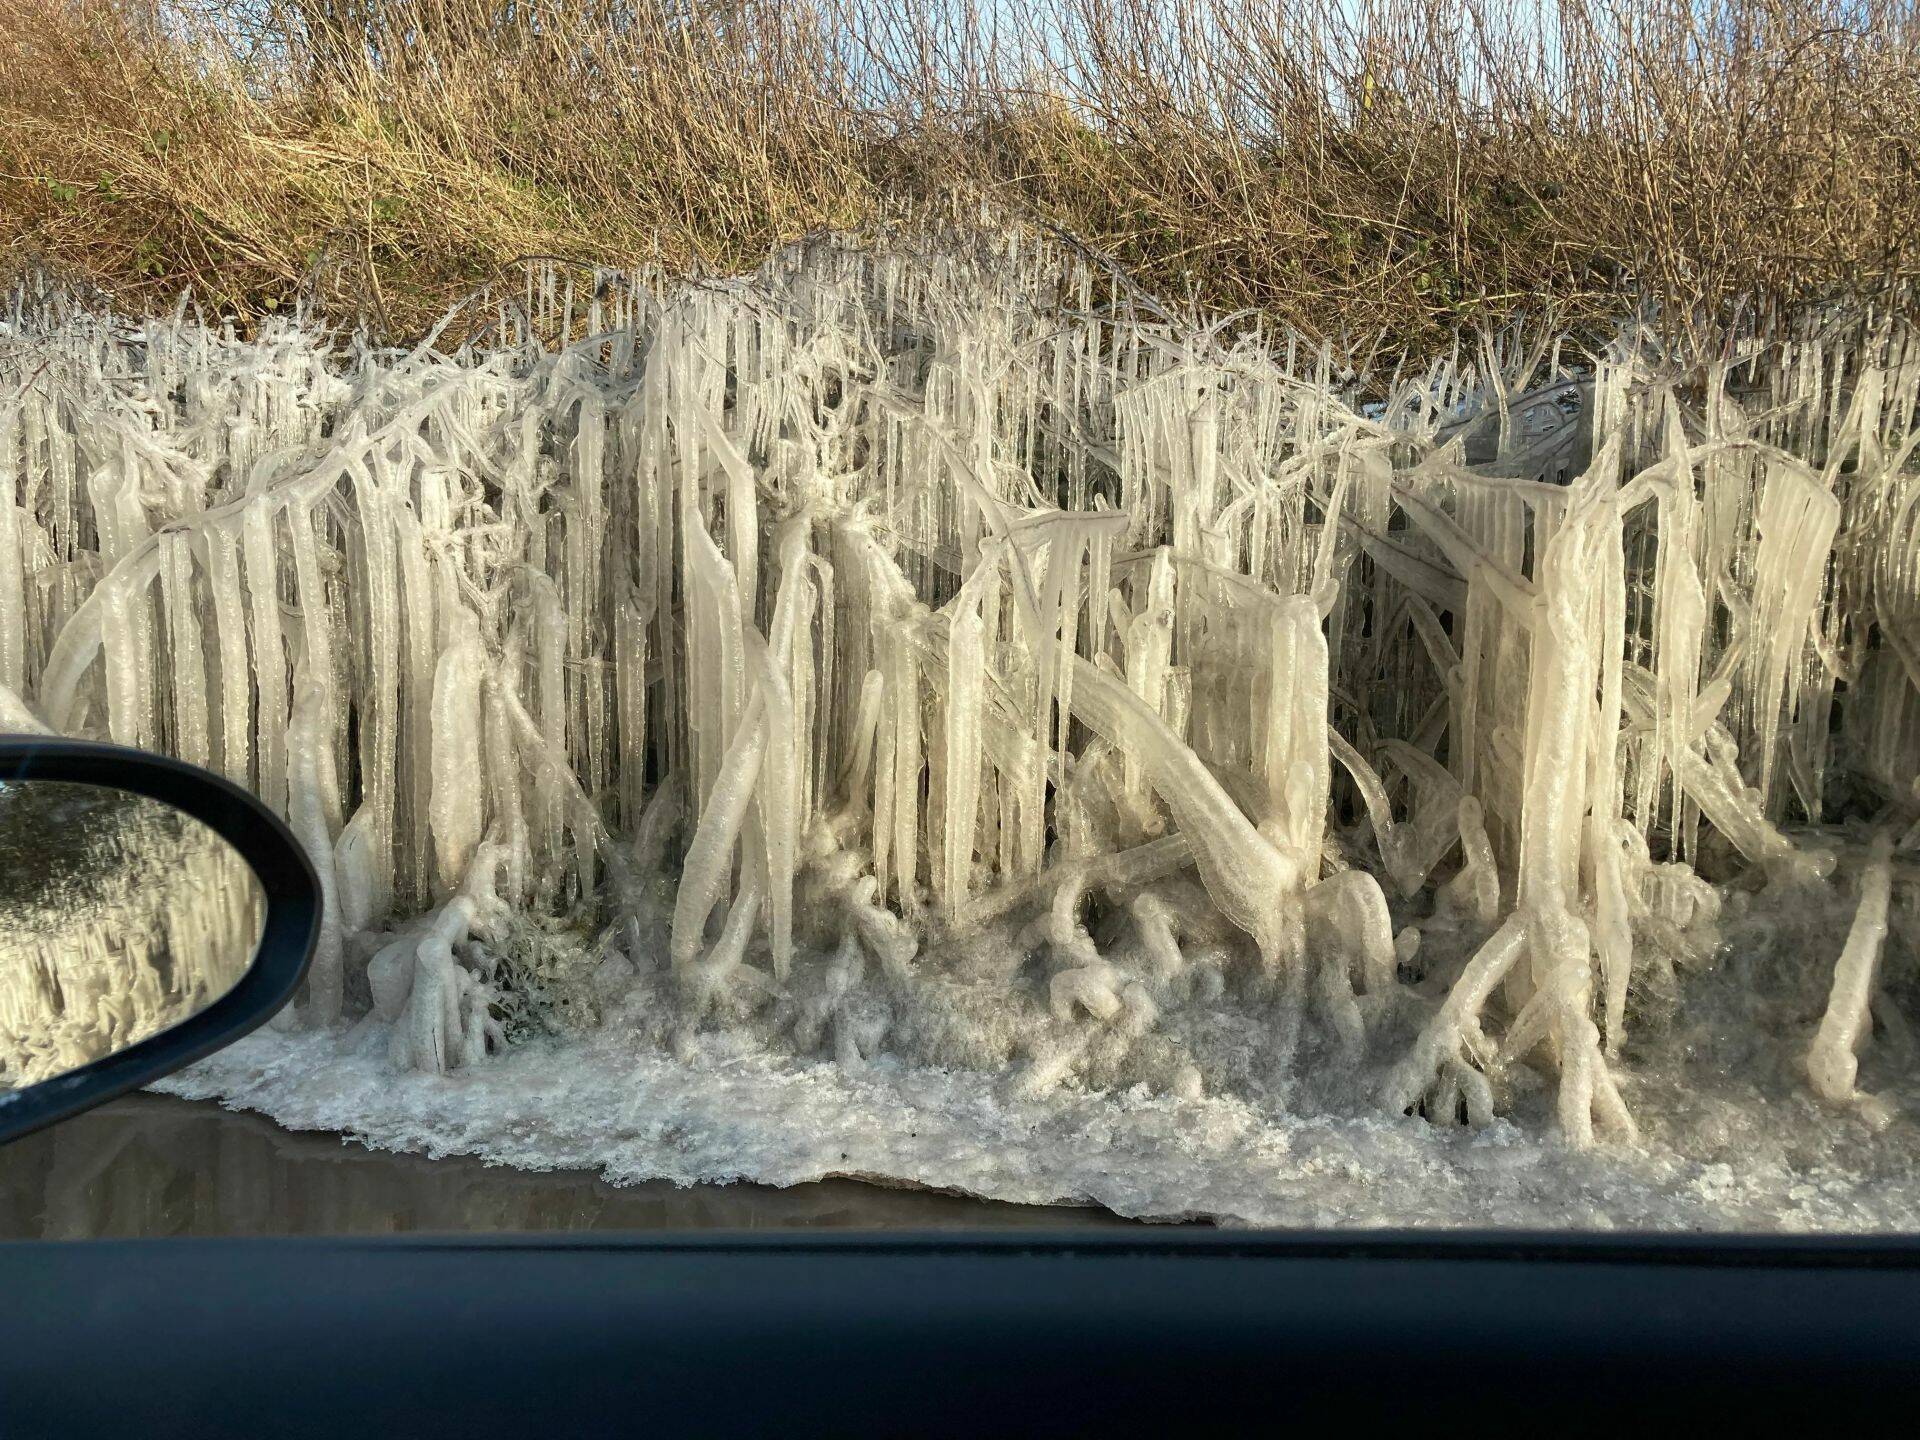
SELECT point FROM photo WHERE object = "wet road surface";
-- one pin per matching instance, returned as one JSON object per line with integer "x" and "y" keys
{"x": 152, "y": 1165}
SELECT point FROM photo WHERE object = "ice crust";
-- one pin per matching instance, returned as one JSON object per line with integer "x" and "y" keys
{"x": 927, "y": 678}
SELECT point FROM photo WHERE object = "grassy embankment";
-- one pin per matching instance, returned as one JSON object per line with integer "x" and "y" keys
{"x": 1403, "y": 166}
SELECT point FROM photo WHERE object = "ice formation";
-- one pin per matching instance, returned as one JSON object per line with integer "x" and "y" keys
{"x": 935, "y": 649}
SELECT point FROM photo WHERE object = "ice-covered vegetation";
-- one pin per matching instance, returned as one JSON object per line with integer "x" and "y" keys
{"x": 935, "y": 652}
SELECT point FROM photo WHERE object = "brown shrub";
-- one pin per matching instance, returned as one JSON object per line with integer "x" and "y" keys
{"x": 1343, "y": 164}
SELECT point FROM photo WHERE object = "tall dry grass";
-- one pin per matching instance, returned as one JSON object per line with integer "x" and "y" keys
{"x": 1394, "y": 165}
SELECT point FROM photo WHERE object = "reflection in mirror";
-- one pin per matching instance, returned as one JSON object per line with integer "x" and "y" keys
{"x": 119, "y": 917}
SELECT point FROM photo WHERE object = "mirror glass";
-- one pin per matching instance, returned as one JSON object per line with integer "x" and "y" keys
{"x": 120, "y": 916}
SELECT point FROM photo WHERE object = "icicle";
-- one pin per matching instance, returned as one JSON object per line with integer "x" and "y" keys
{"x": 13, "y": 612}
{"x": 269, "y": 655}
{"x": 1831, "y": 1062}
{"x": 456, "y": 812}
{"x": 306, "y": 813}
{"x": 229, "y": 625}
{"x": 704, "y": 876}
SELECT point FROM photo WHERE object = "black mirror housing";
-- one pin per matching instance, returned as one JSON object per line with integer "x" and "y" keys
{"x": 289, "y": 930}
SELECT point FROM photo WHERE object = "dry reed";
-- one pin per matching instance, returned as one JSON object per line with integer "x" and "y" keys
{"x": 1397, "y": 166}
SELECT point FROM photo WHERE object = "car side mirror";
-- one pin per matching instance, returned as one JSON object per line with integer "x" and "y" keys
{"x": 150, "y": 913}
